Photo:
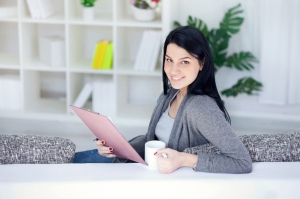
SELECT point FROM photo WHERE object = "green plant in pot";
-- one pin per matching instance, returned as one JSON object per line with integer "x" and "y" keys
{"x": 218, "y": 40}
{"x": 88, "y": 9}
{"x": 88, "y": 3}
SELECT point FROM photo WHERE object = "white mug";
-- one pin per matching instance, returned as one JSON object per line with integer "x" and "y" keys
{"x": 150, "y": 148}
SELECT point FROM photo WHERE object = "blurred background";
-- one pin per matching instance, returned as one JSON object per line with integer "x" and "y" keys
{"x": 106, "y": 56}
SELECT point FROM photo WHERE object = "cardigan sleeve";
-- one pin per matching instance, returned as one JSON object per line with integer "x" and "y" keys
{"x": 209, "y": 120}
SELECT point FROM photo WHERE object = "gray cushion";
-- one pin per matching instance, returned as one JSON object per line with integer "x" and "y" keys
{"x": 35, "y": 149}
{"x": 283, "y": 147}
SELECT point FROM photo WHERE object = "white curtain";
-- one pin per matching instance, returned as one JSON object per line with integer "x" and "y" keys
{"x": 279, "y": 32}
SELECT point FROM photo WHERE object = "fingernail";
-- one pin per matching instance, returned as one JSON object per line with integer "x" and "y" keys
{"x": 155, "y": 153}
{"x": 110, "y": 148}
{"x": 102, "y": 142}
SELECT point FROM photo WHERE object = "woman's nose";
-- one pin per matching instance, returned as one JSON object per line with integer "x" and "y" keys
{"x": 174, "y": 69}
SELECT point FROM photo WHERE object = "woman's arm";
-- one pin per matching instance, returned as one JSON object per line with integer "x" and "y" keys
{"x": 174, "y": 160}
{"x": 209, "y": 120}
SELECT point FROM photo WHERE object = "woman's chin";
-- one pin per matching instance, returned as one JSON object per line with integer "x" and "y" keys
{"x": 175, "y": 86}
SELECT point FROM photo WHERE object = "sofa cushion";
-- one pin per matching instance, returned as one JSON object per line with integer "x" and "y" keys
{"x": 35, "y": 149}
{"x": 283, "y": 147}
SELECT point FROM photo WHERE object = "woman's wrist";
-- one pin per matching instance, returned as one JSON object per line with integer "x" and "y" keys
{"x": 189, "y": 160}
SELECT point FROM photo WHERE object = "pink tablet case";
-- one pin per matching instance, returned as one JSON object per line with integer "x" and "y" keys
{"x": 104, "y": 129}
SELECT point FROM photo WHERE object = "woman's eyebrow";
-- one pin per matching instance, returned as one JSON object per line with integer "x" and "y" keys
{"x": 185, "y": 58}
{"x": 180, "y": 58}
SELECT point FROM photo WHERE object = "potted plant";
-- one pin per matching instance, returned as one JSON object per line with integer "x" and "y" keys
{"x": 219, "y": 40}
{"x": 88, "y": 9}
{"x": 144, "y": 10}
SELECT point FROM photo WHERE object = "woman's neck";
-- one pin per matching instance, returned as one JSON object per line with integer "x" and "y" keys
{"x": 181, "y": 94}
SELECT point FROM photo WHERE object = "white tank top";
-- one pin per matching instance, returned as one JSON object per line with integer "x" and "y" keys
{"x": 165, "y": 124}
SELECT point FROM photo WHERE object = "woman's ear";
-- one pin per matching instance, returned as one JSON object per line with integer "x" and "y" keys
{"x": 202, "y": 64}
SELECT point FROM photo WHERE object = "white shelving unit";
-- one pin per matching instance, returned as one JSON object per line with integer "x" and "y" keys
{"x": 48, "y": 91}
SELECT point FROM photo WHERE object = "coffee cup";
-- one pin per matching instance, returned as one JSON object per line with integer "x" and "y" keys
{"x": 152, "y": 147}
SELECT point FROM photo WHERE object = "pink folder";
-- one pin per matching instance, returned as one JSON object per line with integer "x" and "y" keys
{"x": 104, "y": 129}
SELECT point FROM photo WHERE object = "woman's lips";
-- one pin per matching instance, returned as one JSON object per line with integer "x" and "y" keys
{"x": 176, "y": 79}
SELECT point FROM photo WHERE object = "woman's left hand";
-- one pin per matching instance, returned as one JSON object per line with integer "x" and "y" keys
{"x": 173, "y": 161}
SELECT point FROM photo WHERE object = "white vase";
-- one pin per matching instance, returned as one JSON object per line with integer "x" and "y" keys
{"x": 143, "y": 14}
{"x": 88, "y": 13}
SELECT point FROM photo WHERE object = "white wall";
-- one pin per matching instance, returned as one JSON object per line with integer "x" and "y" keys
{"x": 212, "y": 12}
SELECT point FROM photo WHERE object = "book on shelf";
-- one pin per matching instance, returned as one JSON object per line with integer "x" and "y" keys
{"x": 84, "y": 95}
{"x": 108, "y": 57}
{"x": 148, "y": 51}
{"x": 102, "y": 92}
{"x": 52, "y": 50}
{"x": 40, "y": 9}
{"x": 95, "y": 61}
{"x": 103, "y": 96}
{"x": 102, "y": 58}
{"x": 10, "y": 92}
{"x": 142, "y": 46}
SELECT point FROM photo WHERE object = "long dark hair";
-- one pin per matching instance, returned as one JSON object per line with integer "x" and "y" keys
{"x": 194, "y": 42}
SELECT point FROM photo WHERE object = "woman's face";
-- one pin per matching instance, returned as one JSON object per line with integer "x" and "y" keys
{"x": 181, "y": 67}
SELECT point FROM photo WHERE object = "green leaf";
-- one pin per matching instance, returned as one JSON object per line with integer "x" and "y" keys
{"x": 231, "y": 22}
{"x": 218, "y": 40}
{"x": 88, "y": 3}
{"x": 199, "y": 24}
{"x": 176, "y": 24}
{"x": 246, "y": 85}
{"x": 241, "y": 61}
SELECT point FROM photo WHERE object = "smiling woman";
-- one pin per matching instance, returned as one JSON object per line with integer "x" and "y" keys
{"x": 181, "y": 67}
{"x": 188, "y": 113}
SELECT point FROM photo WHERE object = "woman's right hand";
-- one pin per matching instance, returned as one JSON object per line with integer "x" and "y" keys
{"x": 104, "y": 150}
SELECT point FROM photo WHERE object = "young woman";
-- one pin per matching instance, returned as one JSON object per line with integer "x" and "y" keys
{"x": 188, "y": 113}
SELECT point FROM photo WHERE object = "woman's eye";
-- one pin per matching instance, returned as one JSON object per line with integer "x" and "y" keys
{"x": 168, "y": 60}
{"x": 185, "y": 62}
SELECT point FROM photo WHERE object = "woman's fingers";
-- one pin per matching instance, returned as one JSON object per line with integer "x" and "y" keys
{"x": 100, "y": 142}
{"x": 109, "y": 155}
{"x": 104, "y": 150}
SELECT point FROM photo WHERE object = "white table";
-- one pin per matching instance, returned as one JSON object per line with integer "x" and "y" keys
{"x": 268, "y": 180}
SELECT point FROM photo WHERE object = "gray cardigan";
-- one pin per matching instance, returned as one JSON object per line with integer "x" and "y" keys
{"x": 199, "y": 121}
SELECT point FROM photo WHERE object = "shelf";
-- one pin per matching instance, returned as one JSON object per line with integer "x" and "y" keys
{"x": 83, "y": 39}
{"x": 129, "y": 21}
{"x": 102, "y": 13}
{"x": 57, "y": 18}
{"x": 104, "y": 20}
{"x": 125, "y": 17}
{"x": 131, "y": 112}
{"x": 9, "y": 19}
{"x": 32, "y": 34}
{"x": 49, "y": 106}
{"x": 45, "y": 68}
{"x": 128, "y": 41}
{"x": 9, "y": 44}
{"x": 135, "y": 96}
{"x": 9, "y": 60}
{"x": 9, "y": 72}
{"x": 10, "y": 90}
{"x": 78, "y": 81}
{"x": 90, "y": 70}
{"x": 9, "y": 10}
{"x": 40, "y": 97}
{"x": 47, "y": 90}
{"x": 127, "y": 69}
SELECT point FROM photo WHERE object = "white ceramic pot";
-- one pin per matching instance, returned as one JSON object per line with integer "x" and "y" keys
{"x": 88, "y": 13}
{"x": 143, "y": 14}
